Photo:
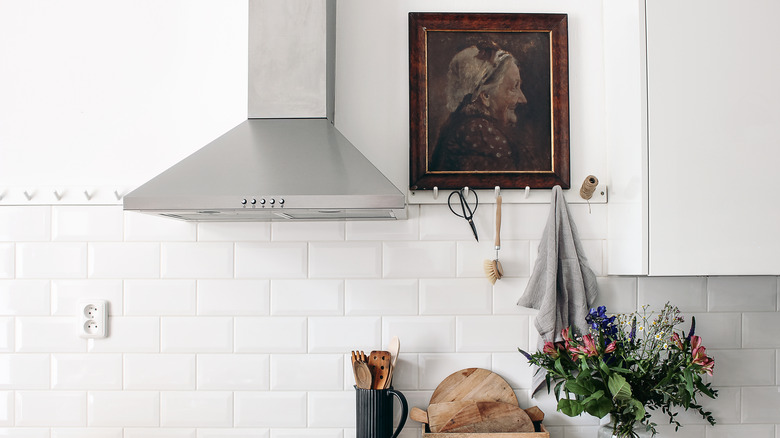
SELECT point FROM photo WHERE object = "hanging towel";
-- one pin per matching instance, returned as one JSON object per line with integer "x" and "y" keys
{"x": 562, "y": 286}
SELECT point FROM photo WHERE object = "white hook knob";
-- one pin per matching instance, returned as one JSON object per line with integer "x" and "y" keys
{"x": 58, "y": 195}
{"x": 87, "y": 195}
{"x": 498, "y": 191}
{"x": 527, "y": 191}
{"x": 118, "y": 196}
{"x": 465, "y": 192}
{"x": 435, "y": 192}
{"x": 29, "y": 195}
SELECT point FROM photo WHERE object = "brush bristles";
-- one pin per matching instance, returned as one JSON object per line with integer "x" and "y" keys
{"x": 490, "y": 271}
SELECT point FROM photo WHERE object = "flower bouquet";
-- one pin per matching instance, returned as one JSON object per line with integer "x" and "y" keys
{"x": 626, "y": 365}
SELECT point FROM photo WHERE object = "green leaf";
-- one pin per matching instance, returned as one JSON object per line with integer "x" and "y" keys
{"x": 639, "y": 412}
{"x": 595, "y": 396}
{"x": 619, "y": 387}
{"x": 704, "y": 389}
{"x": 571, "y": 408}
{"x": 559, "y": 366}
{"x": 604, "y": 367}
{"x": 576, "y": 388}
{"x": 688, "y": 381}
{"x": 599, "y": 407}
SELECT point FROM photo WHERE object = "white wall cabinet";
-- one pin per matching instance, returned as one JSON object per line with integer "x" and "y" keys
{"x": 713, "y": 93}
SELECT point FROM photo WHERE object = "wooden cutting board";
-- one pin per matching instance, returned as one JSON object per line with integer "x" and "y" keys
{"x": 440, "y": 413}
{"x": 474, "y": 384}
{"x": 489, "y": 417}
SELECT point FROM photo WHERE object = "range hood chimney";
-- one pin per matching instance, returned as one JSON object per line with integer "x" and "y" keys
{"x": 267, "y": 169}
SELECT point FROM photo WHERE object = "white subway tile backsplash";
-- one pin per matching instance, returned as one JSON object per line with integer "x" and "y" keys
{"x": 160, "y": 433}
{"x": 760, "y": 404}
{"x": 408, "y": 229}
{"x": 491, "y": 333}
{"x": 233, "y": 372}
{"x": 87, "y": 223}
{"x": 438, "y": 223}
{"x": 312, "y": 372}
{"x": 51, "y": 408}
{"x": 406, "y": 374}
{"x": 759, "y": 330}
{"x": 159, "y": 297}
{"x": 270, "y": 409}
{"x": 277, "y": 334}
{"x": 86, "y": 371}
{"x": 331, "y": 409}
{"x": 27, "y": 432}
{"x": 523, "y": 221}
{"x": 196, "y": 409}
{"x": 745, "y": 367}
{"x": 150, "y": 228}
{"x": 129, "y": 335}
{"x": 7, "y": 260}
{"x": 380, "y": 297}
{"x": 689, "y": 294}
{"x": 197, "y": 260}
{"x": 7, "y": 328}
{"x": 234, "y": 231}
{"x": 92, "y": 432}
{"x": 24, "y": 371}
{"x": 345, "y": 260}
{"x": 124, "y": 408}
{"x": 733, "y": 430}
{"x": 307, "y": 231}
{"x": 124, "y": 260}
{"x": 745, "y": 294}
{"x": 65, "y": 295}
{"x": 40, "y": 334}
{"x": 436, "y": 367}
{"x": 594, "y": 252}
{"x": 419, "y": 259}
{"x": 513, "y": 255}
{"x": 25, "y": 297}
{"x": 51, "y": 260}
{"x": 6, "y": 408}
{"x": 506, "y": 292}
{"x": 467, "y": 296}
{"x": 196, "y": 334}
{"x": 233, "y": 297}
{"x": 514, "y": 368}
{"x": 25, "y": 224}
{"x": 340, "y": 334}
{"x": 307, "y": 297}
{"x": 166, "y": 372}
{"x": 430, "y": 334}
{"x": 618, "y": 294}
{"x": 590, "y": 220}
{"x": 234, "y": 433}
{"x": 717, "y": 330}
{"x": 307, "y": 433}
{"x": 271, "y": 260}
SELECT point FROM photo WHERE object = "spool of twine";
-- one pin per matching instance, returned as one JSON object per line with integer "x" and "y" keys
{"x": 588, "y": 187}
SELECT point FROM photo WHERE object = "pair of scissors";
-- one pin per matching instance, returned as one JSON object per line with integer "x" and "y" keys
{"x": 468, "y": 213}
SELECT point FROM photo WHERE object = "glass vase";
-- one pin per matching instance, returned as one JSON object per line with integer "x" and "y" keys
{"x": 616, "y": 429}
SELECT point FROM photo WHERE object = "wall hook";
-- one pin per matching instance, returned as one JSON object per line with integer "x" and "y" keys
{"x": 87, "y": 195}
{"x": 118, "y": 196}
{"x": 2, "y": 195}
{"x": 29, "y": 195}
{"x": 435, "y": 192}
{"x": 58, "y": 195}
{"x": 465, "y": 192}
{"x": 527, "y": 191}
{"x": 497, "y": 191}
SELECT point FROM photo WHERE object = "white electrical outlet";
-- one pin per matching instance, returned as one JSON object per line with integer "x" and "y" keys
{"x": 92, "y": 318}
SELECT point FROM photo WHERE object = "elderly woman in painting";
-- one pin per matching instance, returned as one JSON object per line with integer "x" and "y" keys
{"x": 483, "y": 89}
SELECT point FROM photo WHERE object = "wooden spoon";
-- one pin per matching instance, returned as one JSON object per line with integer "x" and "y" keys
{"x": 362, "y": 374}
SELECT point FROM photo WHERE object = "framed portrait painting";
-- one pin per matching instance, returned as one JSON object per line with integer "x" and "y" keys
{"x": 489, "y": 100}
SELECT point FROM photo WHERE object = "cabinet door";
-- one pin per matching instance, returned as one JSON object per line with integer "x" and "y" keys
{"x": 713, "y": 116}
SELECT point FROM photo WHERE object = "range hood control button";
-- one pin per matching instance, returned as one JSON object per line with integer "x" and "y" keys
{"x": 254, "y": 201}
{"x": 272, "y": 201}
{"x": 262, "y": 201}
{"x": 281, "y": 201}
{"x": 243, "y": 201}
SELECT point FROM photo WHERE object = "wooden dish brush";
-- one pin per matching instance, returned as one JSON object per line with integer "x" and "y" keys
{"x": 493, "y": 269}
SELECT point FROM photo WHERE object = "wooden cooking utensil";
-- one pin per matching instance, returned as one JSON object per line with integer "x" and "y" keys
{"x": 474, "y": 384}
{"x": 362, "y": 374}
{"x": 489, "y": 417}
{"x": 393, "y": 348}
{"x": 379, "y": 364}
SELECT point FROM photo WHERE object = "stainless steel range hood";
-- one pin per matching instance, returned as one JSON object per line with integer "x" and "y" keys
{"x": 269, "y": 169}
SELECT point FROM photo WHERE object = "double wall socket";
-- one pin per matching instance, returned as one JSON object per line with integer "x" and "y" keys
{"x": 92, "y": 318}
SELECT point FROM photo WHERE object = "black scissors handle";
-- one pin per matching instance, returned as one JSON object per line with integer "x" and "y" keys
{"x": 468, "y": 213}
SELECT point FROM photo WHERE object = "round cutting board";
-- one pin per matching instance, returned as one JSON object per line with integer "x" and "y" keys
{"x": 474, "y": 384}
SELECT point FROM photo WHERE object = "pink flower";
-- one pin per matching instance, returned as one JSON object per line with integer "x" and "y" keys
{"x": 589, "y": 349}
{"x": 700, "y": 355}
{"x": 611, "y": 347}
{"x": 677, "y": 341}
{"x": 551, "y": 350}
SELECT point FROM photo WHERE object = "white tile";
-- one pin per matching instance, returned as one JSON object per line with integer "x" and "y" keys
{"x": 24, "y": 371}
{"x": 86, "y": 371}
{"x": 759, "y": 330}
{"x": 6, "y": 408}
{"x": 514, "y": 368}
{"x": 41, "y": 334}
{"x": 438, "y": 223}
{"x": 233, "y": 297}
{"x": 239, "y": 372}
{"x": 717, "y": 330}
{"x": 26, "y": 432}
{"x": 87, "y": 223}
{"x": 51, "y": 260}
{"x": 491, "y": 333}
{"x": 466, "y": 296}
{"x": 506, "y": 292}
{"x": 591, "y": 221}
{"x": 162, "y": 372}
{"x": 408, "y": 229}
{"x": 436, "y": 367}
{"x": 25, "y": 224}
{"x": 689, "y": 294}
{"x": 726, "y": 408}
{"x": 197, "y": 260}
{"x": 124, "y": 260}
{"x": 7, "y": 260}
{"x": 24, "y": 297}
{"x": 307, "y": 231}
{"x": 271, "y": 260}
{"x": 278, "y": 334}
{"x": 430, "y": 334}
{"x": 746, "y": 294}
{"x": 160, "y": 297}
{"x": 332, "y": 409}
{"x": 307, "y": 433}
{"x": 688, "y": 431}
{"x": 419, "y": 259}
{"x": 92, "y": 432}
{"x": 295, "y": 372}
{"x": 593, "y": 250}
{"x": 51, "y": 408}
{"x": 7, "y": 338}
{"x": 160, "y": 433}
{"x": 523, "y": 221}
{"x": 186, "y": 334}
{"x": 149, "y": 228}
{"x": 123, "y": 408}
{"x": 65, "y": 295}
{"x": 740, "y": 430}
{"x": 270, "y": 409}
{"x": 130, "y": 334}
{"x": 380, "y": 297}
{"x": 406, "y": 374}
{"x": 513, "y": 255}
{"x": 307, "y": 297}
{"x": 233, "y": 433}
{"x": 745, "y": 367}
{"x": 618, "y": 294}
{"x": 234, "y": 231}
{"x": 345, "y": 260}
{"x": 196, "y": 409}
{"x": 337, "y": 335}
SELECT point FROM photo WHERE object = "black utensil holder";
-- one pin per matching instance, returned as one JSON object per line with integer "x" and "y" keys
{"x": 375, "y": 412}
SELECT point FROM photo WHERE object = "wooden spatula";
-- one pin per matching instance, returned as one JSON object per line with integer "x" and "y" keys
{"x": 493, "y": 417}
{"x": 379, "y": 364}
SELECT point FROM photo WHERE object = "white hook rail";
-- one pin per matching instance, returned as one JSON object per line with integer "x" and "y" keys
{"x": 59, "y": 195}
{"x": 509, "y": 196}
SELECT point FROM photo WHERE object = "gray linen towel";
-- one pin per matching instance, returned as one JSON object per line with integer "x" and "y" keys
{"x": 562, "y": 286}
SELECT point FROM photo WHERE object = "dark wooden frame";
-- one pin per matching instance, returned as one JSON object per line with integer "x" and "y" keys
{"x": 556, "y": 26}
